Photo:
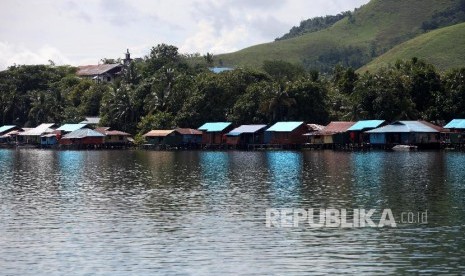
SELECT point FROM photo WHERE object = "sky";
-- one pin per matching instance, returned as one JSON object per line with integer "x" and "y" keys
{"x": 80, "y": 32}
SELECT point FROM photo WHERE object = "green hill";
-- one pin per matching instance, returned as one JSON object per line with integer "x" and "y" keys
{"x": 368, "y": 32}
{"x": 443, "y": 48}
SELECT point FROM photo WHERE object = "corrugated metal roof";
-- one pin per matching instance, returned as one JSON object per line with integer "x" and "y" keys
{"x": 158, "y": 133}
{"x": 366, "y": 124}
{"x": 188, "y": 131}
{"x": 93, "y": 70}
{"x": 116, "y": 133}
{"x": 315, "y": 127}
{"x": 214, "y": 127}
{"x": 335, "y": 127}
{"x": 6, "y": 128}
{"x": 39, "y": 130}
{"x": 404, "y": 127}
{"x": 284, "y": 126}
{"x": 91, "y": 121}
{"x": 71, "y": 127}
{"x": 83, "y": 133}
{"x": 245, "y": 129}
{"x": 456, "y": 123}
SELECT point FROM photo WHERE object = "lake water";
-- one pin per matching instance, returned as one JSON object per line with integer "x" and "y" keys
{"x": 202, "y": 212}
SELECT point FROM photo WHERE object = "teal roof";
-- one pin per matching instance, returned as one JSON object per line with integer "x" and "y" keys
{"x": 366, "y": 124}
{"x": 71, "y": 127}
{"x": 6, "y": 128}
{"x": 404, "y": 127}
{"x": 455, "y": 123}
{"x": 214, "y": 127}
{"x": 284, "y": 126}
{"x": 82, "y": 133}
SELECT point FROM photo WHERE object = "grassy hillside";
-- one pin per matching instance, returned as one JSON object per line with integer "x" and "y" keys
{"x": 372, "y": 30}
{"x": 443, "y": 47}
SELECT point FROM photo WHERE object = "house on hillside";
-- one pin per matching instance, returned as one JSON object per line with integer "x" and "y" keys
{"x": 101, "y": 72}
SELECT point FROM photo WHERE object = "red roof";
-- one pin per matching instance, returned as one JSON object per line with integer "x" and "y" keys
{"x": 188, "y": 131}
{"x": 336, "y": 127}
{"x": 106, "y": 131}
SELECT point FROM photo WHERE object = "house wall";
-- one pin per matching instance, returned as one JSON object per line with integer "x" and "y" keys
{"x": 327, "y": 139}
{"x": 83, "y": 141}
{"x": 233, "y": 140}
{"x": 213, "y": 138}
{"x": 191, "y": 139}
{"x": 377, "y": 138}
{"x": 48, "y": 141}
{"x": 116, "y": 139}
{"x": 289, "y": 138}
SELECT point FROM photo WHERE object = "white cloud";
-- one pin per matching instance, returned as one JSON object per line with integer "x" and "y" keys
{"x": 17, "y": 54}
{"x": 209, "y": 39}
{"x": 86, "y": 31}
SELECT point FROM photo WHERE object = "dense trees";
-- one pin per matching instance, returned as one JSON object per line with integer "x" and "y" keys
{"x": 165, "y": 90}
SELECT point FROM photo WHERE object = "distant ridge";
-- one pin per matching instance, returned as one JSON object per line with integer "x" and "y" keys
{"x": 355, "y": 40}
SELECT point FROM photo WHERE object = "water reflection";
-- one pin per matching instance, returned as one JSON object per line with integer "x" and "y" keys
{"x": 148, "y": 212}
{"x": 285, "y": 169}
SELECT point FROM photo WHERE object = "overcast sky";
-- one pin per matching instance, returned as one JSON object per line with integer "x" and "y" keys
{"x": 79, "y": 32}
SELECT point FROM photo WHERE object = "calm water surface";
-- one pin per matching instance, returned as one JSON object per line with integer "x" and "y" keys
{"x": 184, "y": 213}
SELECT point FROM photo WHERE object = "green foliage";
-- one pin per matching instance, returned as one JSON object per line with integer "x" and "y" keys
{"x": 177, "y": 94}
{"x": 443, "y": 48}
{"x": 282, "y": 70}
{"x": 159, "y": 120}
{"x": 313, "y": 25}
{"x": 451, "y": 16}
{"x": 371, "y": 30}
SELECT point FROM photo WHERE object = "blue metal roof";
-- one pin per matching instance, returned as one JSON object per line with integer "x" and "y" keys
{"x": 403, "y": 127}
{"x": 6, "y": 128}
{"x": 456, "y": 123}
{"x": 245, "y": 129}
{"x": 217, "y": 70}
{"x": 82, "y": 133}
{"x": 214, "y": 127}
{"x": 284, "y": 126}
{"x": 71, "y": 127}
{"x": 366, "y": 124}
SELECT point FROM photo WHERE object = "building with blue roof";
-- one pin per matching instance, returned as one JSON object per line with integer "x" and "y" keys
{"x": 245, "y": 135}
{"x": 67, "y": 128}
{"x": 456, "y": 131}
{"x": 7, "y": 128}
{"x": 405, "y": 133}
{"x": 286, "y": 133}
{"x": 215, "y": 133}
{"x": 356, "y": 131}
{"x": 456, "y": 124}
